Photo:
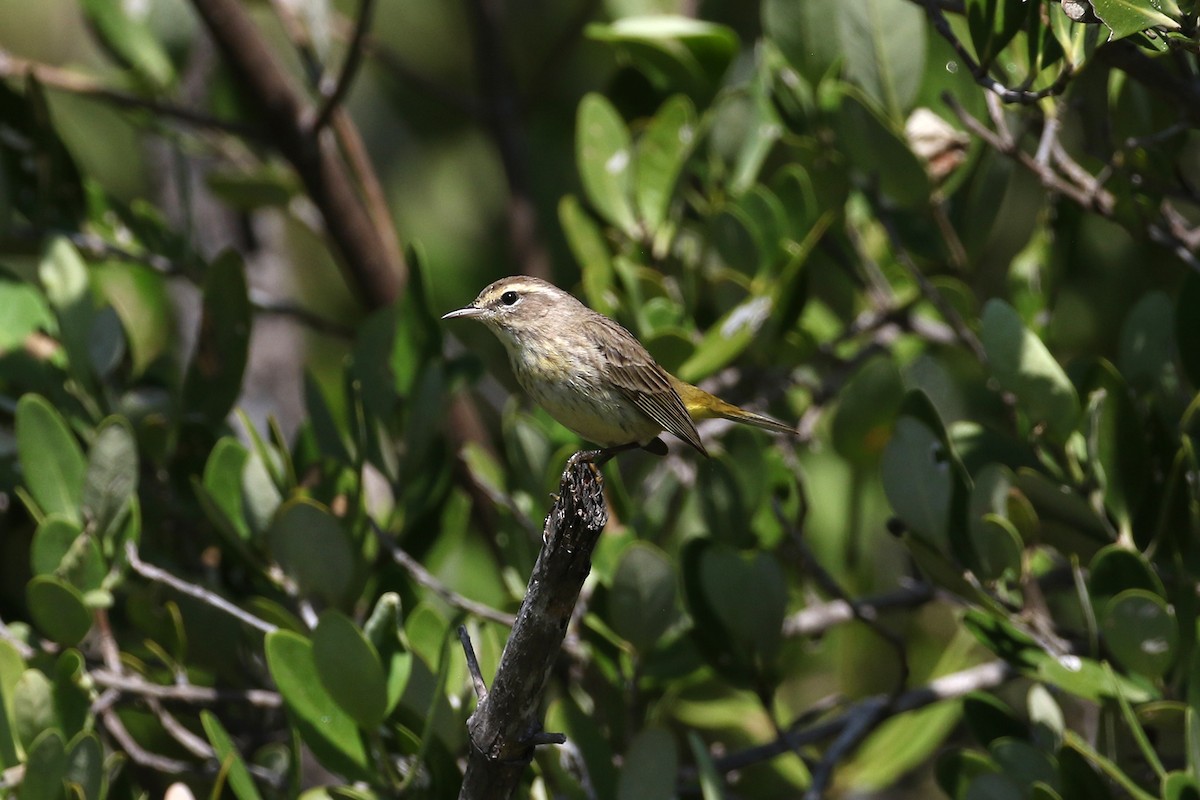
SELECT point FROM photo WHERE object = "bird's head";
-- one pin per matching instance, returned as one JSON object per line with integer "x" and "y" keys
{"x": 517, "y": 307}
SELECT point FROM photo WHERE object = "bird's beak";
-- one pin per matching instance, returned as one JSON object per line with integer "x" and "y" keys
{"x": 466, "y": 311}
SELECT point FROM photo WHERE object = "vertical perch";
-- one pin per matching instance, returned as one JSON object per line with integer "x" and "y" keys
{"x": 506, "y": 726}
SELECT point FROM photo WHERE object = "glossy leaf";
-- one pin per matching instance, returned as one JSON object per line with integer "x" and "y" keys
{"x": 1126, "y": 17}
{"x": 350, "y": 669}
{"x": 604, "y": 153}
{"x": 61, "y": 549}
{"x": 58, "y": 610}
{"x": 314, "y": 549}
{"x": 662, "y": 150}
{"x": 45, "y": 768}
{"x": 1024, "y": 366}
{"x": 232, "y": 765}
{"x": 52, "y": 461}
{"x": 641, "y": 601}
{"x": 1141, "y": 630}
{"x": 325, "y": 727}
{"x": 123, "y": 29}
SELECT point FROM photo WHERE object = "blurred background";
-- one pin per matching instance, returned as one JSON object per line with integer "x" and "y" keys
{"x": 953, "y": 242}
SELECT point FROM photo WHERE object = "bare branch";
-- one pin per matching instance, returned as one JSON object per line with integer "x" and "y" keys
{"x": 818, "y": 619}
{"x": 153, "y": 573}
{"x": 374, "y": 268}
{"x": 425, "y": 578}
{"x": 336, "y": 91}
{"x": 184, "y": 692}
{"x": 472, "y": 663}
{"x": 66, "y": 80}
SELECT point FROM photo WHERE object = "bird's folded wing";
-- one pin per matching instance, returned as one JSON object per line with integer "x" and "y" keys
{"x": 636, "y": 374}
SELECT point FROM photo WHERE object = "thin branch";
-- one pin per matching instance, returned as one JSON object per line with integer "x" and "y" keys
{"x": 472, "y": 663}
{"x": 815, "y": 620}
{"x": 425, "y": 578}
{"x": 373, "y": 267}
{"x": 933, "y": 10}
{"x": 12, "y": 66}
{"x": 930, "y": 292}
{"x": 185, "y": 692}
{"x": 337, "y": 91}
{"x": 153, "y": 573}
{"x": 948, "y": 687}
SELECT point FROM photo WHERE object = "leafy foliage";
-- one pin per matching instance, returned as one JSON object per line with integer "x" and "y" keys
{"x": 958, "y": 246}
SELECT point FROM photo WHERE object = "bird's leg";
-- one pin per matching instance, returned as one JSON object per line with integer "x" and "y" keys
{"x": 598, "y": 458}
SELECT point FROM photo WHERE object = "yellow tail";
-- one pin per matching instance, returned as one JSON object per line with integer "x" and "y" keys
{"x": 702, "y": 405}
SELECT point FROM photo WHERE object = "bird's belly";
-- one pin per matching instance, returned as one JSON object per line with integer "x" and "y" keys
{"x": 597, "y": 413}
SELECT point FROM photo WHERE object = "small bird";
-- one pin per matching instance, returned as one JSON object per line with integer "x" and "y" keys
{"x": 591, "y": 374}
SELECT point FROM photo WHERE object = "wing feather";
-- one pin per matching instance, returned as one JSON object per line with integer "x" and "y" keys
{"x": 639, "y": 377}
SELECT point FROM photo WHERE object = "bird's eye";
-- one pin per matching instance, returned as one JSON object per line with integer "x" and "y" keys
{"x": 509, "y": 298}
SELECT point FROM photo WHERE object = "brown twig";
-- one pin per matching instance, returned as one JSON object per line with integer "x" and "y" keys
{"x": 424, "y": 577}
{"x": 183, "y": 693}
{"x": 472, "y": 663}
{"x": 505, "y": 728}
{"x": 86, "y": 86}
{"x": 937, "y": 18}
{"x": 373, "y": 269}
{"x": 153, "y": 573}
{"x": 817, "y": 619}
{"x": 978, "y": 678}
{"x": 336, "y": 91}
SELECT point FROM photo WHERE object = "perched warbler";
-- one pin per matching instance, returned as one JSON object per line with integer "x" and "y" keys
{"x": 591, "y": 374}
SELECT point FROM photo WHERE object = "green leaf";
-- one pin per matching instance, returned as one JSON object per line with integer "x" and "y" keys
{"x": 748, "y": 595}
{"x": 1145, "y": 350}
{"x": 222, "y": 483}
{"x": 350, "y": 670}
{"x": 1141, "y": 631}
{"x": 883, "y": 43}
{"x": 52, "y": 462}
{"x": 314, "y": 549}
{"x": 993, "y": 24}
{"x": 112, "y": 474}
{"x": 329, "y": 731}
{"x": 214, "y": 377}
{"x": 140, "y": 299}
{"x": 877, "y": 151}
{"x": 1127, "y": 17}
{"x": 57, "y": 608}
{"x": 919, "y": 480}
{"x": 64, "y": 276}
{"x": 866, "y": 412}
{"x": 232, "y": 765}
{"x": 1024, "y": 366}
{"x": 60, "y": 549}
{"x": 45, "y": 768}
{"x": 85, "y": 765}
{"x": 662, "y": 151}
{"x": 383, "y": 630}
{"x": 957, "y": 769}
{"x": 604, "y": 155}
{"x": 712, "y": 787}
{"x": 641, "y": 602}
{"x": 673, "y": 52}
{"x": 33, "y": 706}
{"x": 726, "y": 339}
{"x": 23, "y": 311}
{"x": 591, "y": 252}
{"x": 649, "y": 768}
{"x": 1023, "y": 762}
{"x": 1116, "y": 439}
{"x": 126, "y": 34}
